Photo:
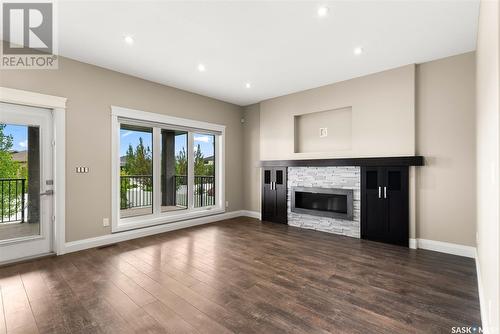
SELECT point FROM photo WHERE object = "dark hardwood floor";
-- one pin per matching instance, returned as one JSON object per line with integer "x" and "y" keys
{"x": 241, "y": 276}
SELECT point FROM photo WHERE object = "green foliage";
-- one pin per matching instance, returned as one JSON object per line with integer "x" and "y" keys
{"x": 9, "y": 169}
{"x": 124, "y": 185}
{"x": 200, "y": 167}
{"x": 139, "y": 161}
{"x": 181, "y": 162}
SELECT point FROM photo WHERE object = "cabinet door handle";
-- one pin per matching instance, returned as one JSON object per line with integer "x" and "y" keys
{"x": 385, "y": 192}
{"x": 379, "y": 192}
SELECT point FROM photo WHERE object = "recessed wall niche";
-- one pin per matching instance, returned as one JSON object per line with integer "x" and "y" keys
{"x": 323, "y": 131}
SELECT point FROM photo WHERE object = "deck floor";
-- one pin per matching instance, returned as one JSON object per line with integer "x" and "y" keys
{"x": 241, "y": 276}
{"x": 18, "y": 230}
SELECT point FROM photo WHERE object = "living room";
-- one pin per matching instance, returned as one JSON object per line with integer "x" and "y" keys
{"x": 250, "y": 167}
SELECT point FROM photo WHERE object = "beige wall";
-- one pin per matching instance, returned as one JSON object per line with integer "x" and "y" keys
{"x": 91, "y": 91}
{"x": 251, "y": 150}
{"x": 338, "y": 125}
{"x": 438, "y": 123}
{"x": 445, "y": 133}
{"x": 488, "y": 131}
{"x": 383, "y": 116}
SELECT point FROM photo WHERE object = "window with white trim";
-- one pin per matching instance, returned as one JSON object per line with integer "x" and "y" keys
{"x": 165, "y": 169}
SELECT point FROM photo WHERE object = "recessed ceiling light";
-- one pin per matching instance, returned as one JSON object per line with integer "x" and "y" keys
{"x": 322, "y": 11}
{"x": 129, "y": 40}
{"x": 358, "y": 50}
{"x": 248, "y": 85}
{"x": 201, "y": 68}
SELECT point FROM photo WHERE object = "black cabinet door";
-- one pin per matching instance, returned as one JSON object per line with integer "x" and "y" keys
{"x": 268, "y": 195}
{"x": 384, "y": 204}
{"x": 274, "y": 195}
{"x": 372, "y": 208}
{"x": 397, "y": 204}
{"x": 281, "y": 198}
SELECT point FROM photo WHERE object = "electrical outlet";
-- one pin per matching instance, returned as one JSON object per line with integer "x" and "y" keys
{"x": 323, "y": 132}
{"x": 105, "y": 222}
{"x": 227, "y": 204}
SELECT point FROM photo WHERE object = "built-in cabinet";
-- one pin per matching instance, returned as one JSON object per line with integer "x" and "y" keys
{"x": 274, "y": 194}
{"x": 384, "y": 193}
{"x": 385, "y": 204}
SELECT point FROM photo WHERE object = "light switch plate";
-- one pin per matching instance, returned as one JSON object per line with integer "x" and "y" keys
{"x": 105, "y": 222}
{"x": 82, "y": 169}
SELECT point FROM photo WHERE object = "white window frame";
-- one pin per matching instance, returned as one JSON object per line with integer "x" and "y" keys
{"x": 157, "y": 121}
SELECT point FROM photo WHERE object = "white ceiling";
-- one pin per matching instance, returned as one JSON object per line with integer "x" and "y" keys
{"x": 279, "y": 46}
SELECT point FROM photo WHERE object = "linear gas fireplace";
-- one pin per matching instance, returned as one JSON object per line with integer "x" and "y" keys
{"x": 324, "y": 202}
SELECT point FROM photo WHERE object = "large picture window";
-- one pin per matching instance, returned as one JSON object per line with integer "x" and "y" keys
{"x": 165, "y": 169}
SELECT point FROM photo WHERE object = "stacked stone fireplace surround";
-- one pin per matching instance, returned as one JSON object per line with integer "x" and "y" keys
{"x": 326, "y": 177}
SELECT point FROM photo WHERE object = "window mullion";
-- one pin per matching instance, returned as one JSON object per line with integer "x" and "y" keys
{"x": 156, "y": 171}
{"x": 190, "y": 177}
{"x": 219, "y": 171}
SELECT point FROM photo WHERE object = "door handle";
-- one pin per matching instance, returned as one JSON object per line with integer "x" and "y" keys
{"x": 379, "y": 192}
{"x": 47, "y": 193}
{"x": 385, "y": 192}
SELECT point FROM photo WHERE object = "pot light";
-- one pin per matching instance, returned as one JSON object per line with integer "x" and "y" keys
{"x": 358, "y": 50}
{"x": 201, "y": 68}
{"x": 248, "y": 85}
{"x": 129, "y": 40}
{"x": 322, "y": 11}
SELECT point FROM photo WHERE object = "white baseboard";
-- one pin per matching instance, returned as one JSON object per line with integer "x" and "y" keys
{"x": 74, "y": 246}
{"x": 482, "y": 300}
{"x": 444, "y": 247}
{"x": 251, "y": 214}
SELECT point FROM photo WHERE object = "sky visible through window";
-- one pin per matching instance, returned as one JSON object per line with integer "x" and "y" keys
{"x": 132, "y": 137}
{"x": 19, "y": 134}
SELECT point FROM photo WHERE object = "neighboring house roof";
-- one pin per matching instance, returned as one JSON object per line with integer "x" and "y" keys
{"x": 21, "y": 156}
{"x": 208, "y": 159}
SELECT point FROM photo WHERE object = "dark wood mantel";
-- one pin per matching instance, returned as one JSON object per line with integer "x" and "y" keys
{"x": 416, "y": 160}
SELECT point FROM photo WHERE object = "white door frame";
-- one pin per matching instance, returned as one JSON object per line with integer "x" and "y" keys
{"x": 58, "y": 106}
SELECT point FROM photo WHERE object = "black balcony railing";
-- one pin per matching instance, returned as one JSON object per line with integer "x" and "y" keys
{"x": 204, "y": 191}
{"x": 12, "y": 200}
{"x": 137, "y": 191}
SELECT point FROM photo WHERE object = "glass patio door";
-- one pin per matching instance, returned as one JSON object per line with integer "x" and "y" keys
{"x": 26, "y": 201}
